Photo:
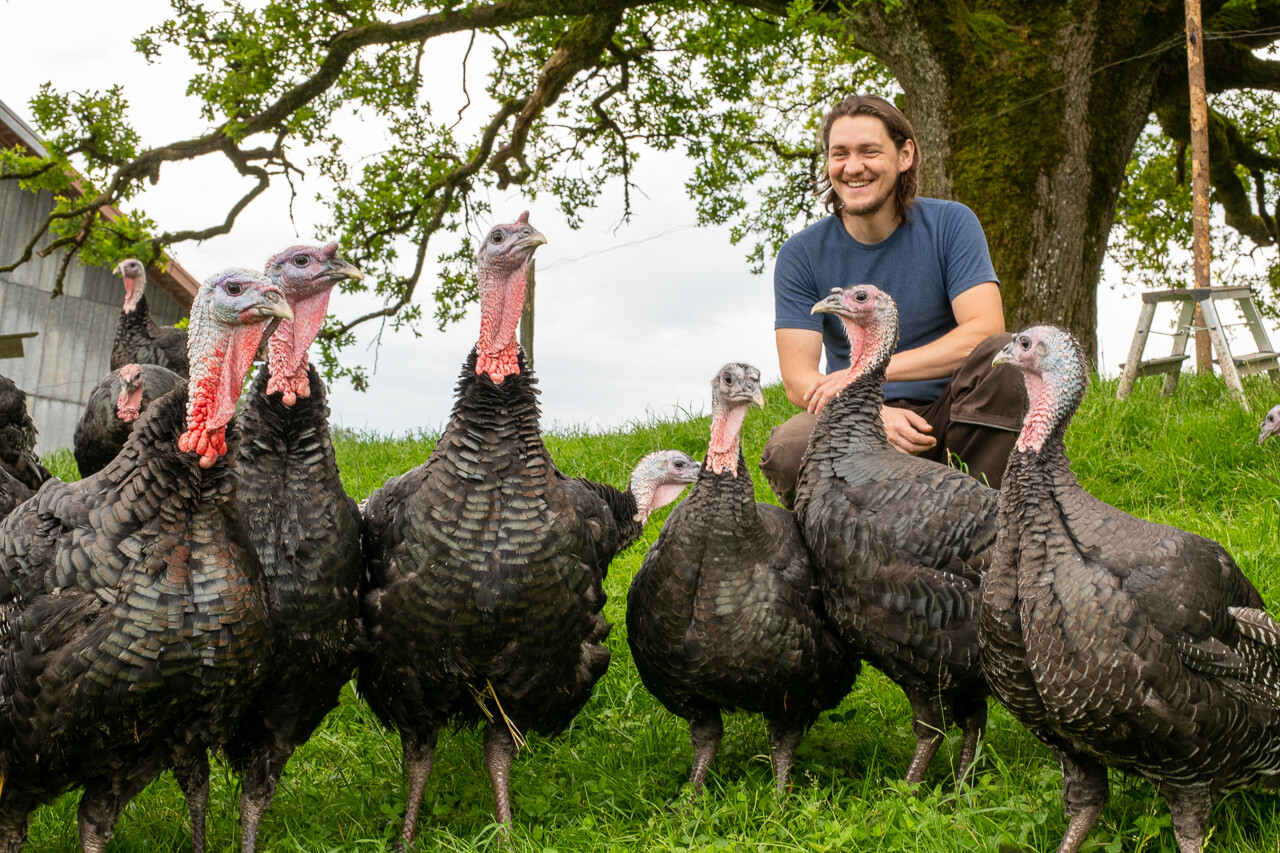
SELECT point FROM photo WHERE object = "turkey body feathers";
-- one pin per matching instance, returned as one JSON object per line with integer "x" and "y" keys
{"x": 306, "y": 532}
{"x": 140, "y": 340}
{"x": 724, "y": 612}
{"x": 486, "y": 568}
{"x": 899, "y": 546}
{"x": 18, "y": 438}
{"x": 130, "y": 619}
{"x": 1106, "y": 651}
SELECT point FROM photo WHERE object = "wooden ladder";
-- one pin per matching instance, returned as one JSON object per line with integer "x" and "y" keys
{"x": 1232, "y": 366}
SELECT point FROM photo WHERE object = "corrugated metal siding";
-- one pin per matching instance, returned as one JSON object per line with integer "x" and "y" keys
{"x": 72, "y": 351}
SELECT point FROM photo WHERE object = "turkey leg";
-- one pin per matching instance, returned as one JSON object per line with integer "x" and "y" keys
{"x": 498, "y": 750}
{"x": 1084, "y": 794}
{"x": 418, "y": 755}
{"x": 783, "y": 743}
{"x": 260, "y": 782}
{"x": 193, "y": 778}
{"x": 705, "y": 731}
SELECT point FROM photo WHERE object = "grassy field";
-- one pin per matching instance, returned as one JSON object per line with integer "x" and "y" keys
{"x": 616, "y": 779}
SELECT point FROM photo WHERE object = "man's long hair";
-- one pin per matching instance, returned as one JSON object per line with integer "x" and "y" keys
{"x": 899, "y": 129}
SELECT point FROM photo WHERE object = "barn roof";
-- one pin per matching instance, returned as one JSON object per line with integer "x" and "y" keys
{"x": 173, "y": 279}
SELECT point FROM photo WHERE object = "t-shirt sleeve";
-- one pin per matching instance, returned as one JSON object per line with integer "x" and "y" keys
{"x": 968, "y": 262}
{"x": 794, "y": 290}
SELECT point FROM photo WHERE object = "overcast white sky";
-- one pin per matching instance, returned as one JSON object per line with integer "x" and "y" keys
{"x": 631, "y": 320}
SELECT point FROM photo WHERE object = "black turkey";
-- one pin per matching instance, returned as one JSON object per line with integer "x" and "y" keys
{"x": 306, "y": 532}
{"x": 1118, "y": 642}
{"x": 486, "y": 563}
{"x": 725, "y": 612}
{"x": 18, "y": 438}
{"x": 898, "y": 542}
{"x": 139, "y": 339}
{"x": 115, "y": 404}
{"x": 131, "y": 619}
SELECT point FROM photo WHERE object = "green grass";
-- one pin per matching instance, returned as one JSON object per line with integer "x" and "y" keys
{"x": 616, "y": 779}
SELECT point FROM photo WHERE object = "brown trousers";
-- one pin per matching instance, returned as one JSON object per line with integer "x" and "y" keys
{"x": 976, "y": 421}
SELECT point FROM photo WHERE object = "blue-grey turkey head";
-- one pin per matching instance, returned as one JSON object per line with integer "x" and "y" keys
{"x": 1270, "y": 424}
{"x": 307, "y": 276}
{"x": 899, "y": 543}
{"x": 133, "y": 618}
{"x": 1118, "y": 642}
{"x": 724, "y": 612}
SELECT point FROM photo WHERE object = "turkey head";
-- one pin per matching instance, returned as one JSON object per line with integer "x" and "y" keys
{"x": 1053, "y": 364}
{"x": 502, "y": 263}
{"x": 735, "y": 387}
{"x": 135, "y": 282}
{"x": 659, "y": 478}
{"x": 129, "y": 403}
{"x": 306, "y": 275}
{"x": 1270, "y": 424}
{"x": 870, "y": 319}
{"x": 227, "y": 325}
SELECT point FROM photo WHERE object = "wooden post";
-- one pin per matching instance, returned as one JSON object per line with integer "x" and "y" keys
{"x": 1199, "y": 176}
{"x": 526, "y": 316}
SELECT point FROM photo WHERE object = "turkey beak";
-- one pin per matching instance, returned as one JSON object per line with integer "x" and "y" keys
{"x": 340, "y": 270}
{"x": 530, "y": 238}
{"x": 1005, "y": 356}
{"x": 272, "y": 304}
{"x": 758, "y": 398}
{"x": 831, "y": 305}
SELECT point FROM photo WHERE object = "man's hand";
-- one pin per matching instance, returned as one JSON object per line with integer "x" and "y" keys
{"x": 821, "y": 392}
{"x": 906, "y": 430}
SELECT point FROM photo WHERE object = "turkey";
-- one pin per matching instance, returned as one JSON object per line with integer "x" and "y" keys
{"x": 1118, "y": 642}
{"x": 18, "y": 438}
{"x": 139, "y": 339}
{"x": 306, "y": 532}
{"x": 486, "y": 564}
{"x": 130, "y": 616}
{"x": 1270, "y": 424}
{"x": 725, "y": 613}
{"x": 12, "y": 492}
{"x": 899, "y": 543}
{"x": 115, "y": 404}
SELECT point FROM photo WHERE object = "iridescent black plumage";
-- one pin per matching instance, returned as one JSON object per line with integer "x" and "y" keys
{"x": 130, "y": 612}
{"x": 486, "y": 567}
{"x": 1118, "y": 642}
{"x": 725, "y": 612}
{"x": 898, "y": 543}
{"x": 306, "y": 532}
{"x": 128, "y": 622}
{"x": 140, "y": 340}
{"x": 18, "y": 437}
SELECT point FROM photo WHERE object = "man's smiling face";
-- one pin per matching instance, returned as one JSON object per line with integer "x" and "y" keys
{"x": 863, "y": 164}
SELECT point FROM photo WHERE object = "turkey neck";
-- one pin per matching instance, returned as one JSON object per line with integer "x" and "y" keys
{"x": 497, "y": 420}
{"x": 852, "y": 419}
{"x": 727, "y": 500}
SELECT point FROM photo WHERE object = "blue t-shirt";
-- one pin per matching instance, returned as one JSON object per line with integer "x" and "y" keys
{"x": 924, "y": 264}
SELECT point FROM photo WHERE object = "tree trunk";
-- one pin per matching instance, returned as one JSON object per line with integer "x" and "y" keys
{"x": 1028, "y": 113}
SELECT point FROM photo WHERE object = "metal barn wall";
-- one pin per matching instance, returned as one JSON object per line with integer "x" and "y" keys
{"x": 72, "y": 349}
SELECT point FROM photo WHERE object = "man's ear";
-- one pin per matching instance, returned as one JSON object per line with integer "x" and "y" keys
{"x": 906, "y": 155}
